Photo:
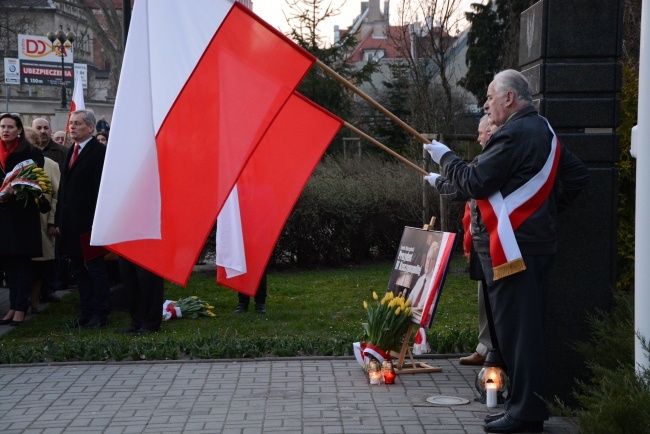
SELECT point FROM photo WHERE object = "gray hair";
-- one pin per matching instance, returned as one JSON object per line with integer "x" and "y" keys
{"x": 89, "y": 116}
{"x": 484, "y": 118}
{"x": 515, "y": 82}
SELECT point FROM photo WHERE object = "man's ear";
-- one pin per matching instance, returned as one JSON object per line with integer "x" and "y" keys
{"x": 510, "y": 98}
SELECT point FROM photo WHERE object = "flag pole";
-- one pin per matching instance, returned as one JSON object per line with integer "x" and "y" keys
{"x": 374, "y": 103}
{"x": 385, "y": 148}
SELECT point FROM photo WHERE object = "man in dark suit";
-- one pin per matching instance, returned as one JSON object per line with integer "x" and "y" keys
{"x": 82, "y": 173}
{"x": 520, "y": 181}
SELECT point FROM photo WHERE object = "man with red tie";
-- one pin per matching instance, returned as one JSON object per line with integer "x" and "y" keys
{"x": 82, "y": 173}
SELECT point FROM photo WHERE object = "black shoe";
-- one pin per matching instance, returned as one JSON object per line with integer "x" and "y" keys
{"x": 35, "y": 310}
{"x": 15, "y": 323}
{"x": 259, "y": 308}
{"x": 142, "y": 332}
{"x": 493, "y": 416}
{"x": 6, "y": 321}
{"x": 50, "y": 298}
{"x": 509, "y": 424}
{"x": 78, "y": 322}
{"x": 94, "y": 324}
{"x": 241, "y": 308}
{"x": 130, "y": 330}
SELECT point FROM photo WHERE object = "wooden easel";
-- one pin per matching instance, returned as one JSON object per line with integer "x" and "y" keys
{"x": 413, "y": 367}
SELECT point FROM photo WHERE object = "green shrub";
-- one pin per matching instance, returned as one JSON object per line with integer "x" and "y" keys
{"x": 626, "y": 179}
{"x": 615, "y": 399}
{"x": 352, "y": 209}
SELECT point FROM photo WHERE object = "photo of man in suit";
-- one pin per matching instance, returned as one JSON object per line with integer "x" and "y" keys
{"x": 420, "y": 292}
{"x": 82, "y": 173}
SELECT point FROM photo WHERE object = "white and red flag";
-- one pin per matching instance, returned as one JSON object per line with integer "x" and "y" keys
{"x": 77, "y": 102}
{"x": 251, "y": 222}
{"x": 200, "y": 84}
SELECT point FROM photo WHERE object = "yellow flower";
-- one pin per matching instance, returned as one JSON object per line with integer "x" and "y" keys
{"x": 194, "y": 297}
{"x": 407, "y": 302}
{"x": 398, "y": 311}
{"x": 365, "y": 305}
{"x": 374, "y": 295}
{"x": 210, "y": 307}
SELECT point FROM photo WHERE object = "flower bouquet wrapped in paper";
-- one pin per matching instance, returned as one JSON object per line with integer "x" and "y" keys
{"x": 190, "y": 307}
{"x": 388, "y": 320}
{"x": 25, "y": 182}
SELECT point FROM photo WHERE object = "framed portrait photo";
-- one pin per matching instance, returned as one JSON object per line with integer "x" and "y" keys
{"x": 420, "y": 269}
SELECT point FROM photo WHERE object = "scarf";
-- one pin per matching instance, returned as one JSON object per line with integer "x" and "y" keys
{"x": 502, "y": 216}
{"x": 5, "y": 150}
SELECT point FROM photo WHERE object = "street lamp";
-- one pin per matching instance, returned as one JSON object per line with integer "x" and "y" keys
{"x": 62, "y": 37}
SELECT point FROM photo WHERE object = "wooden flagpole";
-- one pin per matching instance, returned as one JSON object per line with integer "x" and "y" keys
{"x": 374, "y": 103}
{"x": 386, "y": 148}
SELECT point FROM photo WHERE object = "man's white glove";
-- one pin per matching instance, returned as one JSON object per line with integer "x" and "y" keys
{"x": 436, "y": 150}
{"x": 431, "y": 177}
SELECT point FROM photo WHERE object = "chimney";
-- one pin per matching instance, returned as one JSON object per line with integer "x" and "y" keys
{"x": 374, "y": 14}
{"x": 337, "y": 33}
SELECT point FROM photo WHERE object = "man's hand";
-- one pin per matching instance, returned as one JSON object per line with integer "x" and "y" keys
{"x": 53, "y": 231}
{"x": 431, "y": 178}
{"x": 436, "y": 150}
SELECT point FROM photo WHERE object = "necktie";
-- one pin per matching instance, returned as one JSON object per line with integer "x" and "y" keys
{"x": 74, "y": 155}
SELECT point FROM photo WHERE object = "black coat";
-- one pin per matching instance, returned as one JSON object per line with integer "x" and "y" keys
{"x": 55, "y": 152}
{"x": 78, "y": 195}
{"x": 20, "y": 223}
{"x": 513, "y": 155}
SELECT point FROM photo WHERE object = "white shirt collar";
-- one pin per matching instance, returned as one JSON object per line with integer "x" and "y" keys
{"x": 82, "y": 144}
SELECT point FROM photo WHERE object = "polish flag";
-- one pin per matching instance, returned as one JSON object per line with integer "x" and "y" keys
{"x": 77, "y": 102}
{"x": 251, "y": 222}
{"x": 201, "y": 82}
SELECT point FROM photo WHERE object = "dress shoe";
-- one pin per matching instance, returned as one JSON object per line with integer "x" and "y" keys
{"x": 473, "y": 359}
{"x": 78, "y": 322}
{"x": 260, "y": 308}
{"x": 94, "y": 324}
{"x": 493, "y": 416}
{"x": 49, "y": 297}
{"x": 241, "y": 308}
{"x": 130, "y": 330}
{"x": 6, "y": 321}
{"x": 15, "y": 323}
{"x": 509, "y": 424}
{"x": 143, "y": 332}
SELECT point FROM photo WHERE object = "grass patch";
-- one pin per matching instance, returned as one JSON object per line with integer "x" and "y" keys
{"x": 316, "y": 312}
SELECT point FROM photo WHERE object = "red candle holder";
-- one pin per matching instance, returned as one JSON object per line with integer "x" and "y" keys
{"x": 389, "y": 377}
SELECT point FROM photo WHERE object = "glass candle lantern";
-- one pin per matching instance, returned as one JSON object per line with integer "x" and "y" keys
{"x": 388, "y": 372}
{"x": 374, "y": 372}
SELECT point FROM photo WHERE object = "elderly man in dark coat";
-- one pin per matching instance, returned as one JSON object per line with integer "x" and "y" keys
{"x": 520, "y": 180}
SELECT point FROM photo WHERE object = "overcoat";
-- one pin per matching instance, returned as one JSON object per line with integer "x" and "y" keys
{"x": 20, "y": 224}
{"x": 78, "y": 192}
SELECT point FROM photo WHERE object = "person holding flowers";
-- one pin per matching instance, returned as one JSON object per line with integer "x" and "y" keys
{"x": 21, "y": 199}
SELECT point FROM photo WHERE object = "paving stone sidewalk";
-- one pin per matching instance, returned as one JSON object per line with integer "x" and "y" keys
{"x": 308, "y": 395}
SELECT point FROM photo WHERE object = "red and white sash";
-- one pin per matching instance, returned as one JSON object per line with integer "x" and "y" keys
{"x": 467, "y": 225}
{"x": 502, "y": 216}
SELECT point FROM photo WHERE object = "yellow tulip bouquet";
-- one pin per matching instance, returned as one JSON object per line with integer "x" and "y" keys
{"x": 28, "y": 182}
{"x": 190, "y": 307}
{"x": 388, "y": 321}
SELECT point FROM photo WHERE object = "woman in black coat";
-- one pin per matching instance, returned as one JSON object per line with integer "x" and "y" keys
{"x": 20, "y": 233}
